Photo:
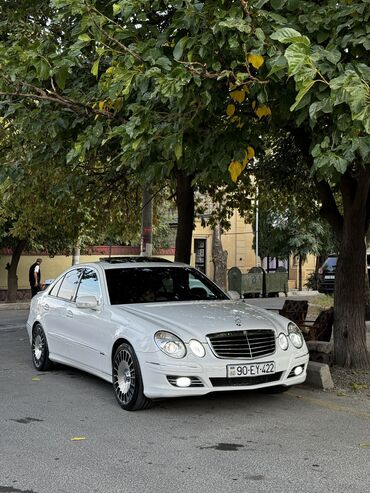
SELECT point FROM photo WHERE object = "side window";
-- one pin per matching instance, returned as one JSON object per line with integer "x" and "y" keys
{"x": 54, "y": 290}
{"x": 69, "y": 284}
{"x": 89, "y": 285}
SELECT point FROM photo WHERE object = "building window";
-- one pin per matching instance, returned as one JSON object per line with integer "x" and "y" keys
{"x": 200, "y": 255}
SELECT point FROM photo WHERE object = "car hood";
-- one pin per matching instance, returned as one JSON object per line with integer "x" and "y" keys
{"x": 197, "y": 319}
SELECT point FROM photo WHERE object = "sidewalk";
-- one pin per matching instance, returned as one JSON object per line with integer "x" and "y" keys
{"x": 19, "y": 305}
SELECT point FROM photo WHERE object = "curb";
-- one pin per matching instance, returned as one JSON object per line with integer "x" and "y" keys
{"x": 25, "y": 305}
{"x": 319, "y": 376}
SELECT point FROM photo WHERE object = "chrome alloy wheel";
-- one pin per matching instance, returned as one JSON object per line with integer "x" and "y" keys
{"x": 38, "y": 347}
{"x": 124, "y": 377}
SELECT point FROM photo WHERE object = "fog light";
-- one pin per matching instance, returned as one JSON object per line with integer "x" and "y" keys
{"x": 183, "y": 382}
{"x": 298, "y": 370}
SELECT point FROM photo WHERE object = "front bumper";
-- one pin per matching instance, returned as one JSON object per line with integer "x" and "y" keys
{"x": 208, "y": 374}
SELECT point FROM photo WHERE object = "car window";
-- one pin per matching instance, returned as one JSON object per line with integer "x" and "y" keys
{"x": 54, "y": 290}
{"x": 156, "y": 284}
{"x": 330, "y": 263}
{"x": 69, "y": 284}
{"x": 89, "y": 284}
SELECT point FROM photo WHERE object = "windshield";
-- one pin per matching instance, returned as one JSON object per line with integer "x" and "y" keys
{"x": 156, "y": 284}
{"x": 330, "y": 264}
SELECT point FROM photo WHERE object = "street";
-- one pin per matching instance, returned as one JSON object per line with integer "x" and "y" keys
{"x": 62, "y": 431}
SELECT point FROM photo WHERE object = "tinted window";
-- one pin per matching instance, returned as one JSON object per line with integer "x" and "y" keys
{"x": 89, "y": 284}
{"x": 330, "y": 264}
{"x": 151, "y": 284}
{"x": 69, "y": 284}
{"x": 54, "y": 290}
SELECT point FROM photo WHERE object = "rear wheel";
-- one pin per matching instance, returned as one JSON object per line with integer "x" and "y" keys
{"x": 40, "y": 350}
{"x": 127, "y": 382}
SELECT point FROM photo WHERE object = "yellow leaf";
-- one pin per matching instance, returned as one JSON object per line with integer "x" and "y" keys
{"x": 36, "y": 379}
{"x": 364, "y": 445}
{"x": 77, "y": 439}
{"x": 230, "y": 110}
{"x": 235, "y": 169}
{"x": 256, "y": 60}
{"x": 109, "y": 70}
{"x": 262, "y": 110}
{"x": 238, "y": 96}
{"x": 250, "y": 153}
{"x": 101, "y": 105}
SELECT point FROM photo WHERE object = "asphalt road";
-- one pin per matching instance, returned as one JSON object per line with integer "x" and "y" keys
{"x": 302, "y": 441}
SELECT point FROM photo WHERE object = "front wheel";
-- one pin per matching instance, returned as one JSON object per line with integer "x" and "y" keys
{"x": 127, "y": 382}
{"x": 40, "y": 350}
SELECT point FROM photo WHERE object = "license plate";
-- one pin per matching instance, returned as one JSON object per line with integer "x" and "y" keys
{"x": 250, "y": 370}
{"x": 329, "y": 277}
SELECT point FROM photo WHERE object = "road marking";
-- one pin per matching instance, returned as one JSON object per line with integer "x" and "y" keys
{"x": 335, "y": 407}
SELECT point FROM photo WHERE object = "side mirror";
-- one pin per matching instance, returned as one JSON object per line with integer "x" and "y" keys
{"x": 88, "y": 302}
{"x": 233, "y": 295}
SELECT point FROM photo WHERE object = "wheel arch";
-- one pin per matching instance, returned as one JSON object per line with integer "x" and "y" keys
{"x": 116, "y": 344}
{"x": 35, "y": 324}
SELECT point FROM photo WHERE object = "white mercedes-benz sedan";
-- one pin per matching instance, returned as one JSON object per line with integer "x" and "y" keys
{"x": 159, "y": 329}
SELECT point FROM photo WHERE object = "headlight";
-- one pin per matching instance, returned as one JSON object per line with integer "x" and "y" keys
{"x": 170, "y": 344}
{"x": 295, "y": 335}
{"x": 283, "y": 341}
{"x": 197, "y": 348}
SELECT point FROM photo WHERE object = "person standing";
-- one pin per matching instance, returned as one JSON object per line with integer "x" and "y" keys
{"x": 35, "y": 277}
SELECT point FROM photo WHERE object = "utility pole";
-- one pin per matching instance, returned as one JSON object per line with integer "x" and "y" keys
{"x": 146, "y": 246}
{"x": 257, "y": 253}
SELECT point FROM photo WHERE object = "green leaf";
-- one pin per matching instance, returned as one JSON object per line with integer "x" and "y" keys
{"x": 300, "y": 62}
{"x": 236, "y": 25}
{"x": 288, "y": 35}
{"x": 61, "y": 77}
{"x": 277, "y": 4}
{"x": 178, "y": 150}
{"x": 84, "y": 37}
{"x": 303, "y": 91}
{"x": 179, "y": 48}
{"x": 116, "y": 9}
{"x": 95, "y": 67}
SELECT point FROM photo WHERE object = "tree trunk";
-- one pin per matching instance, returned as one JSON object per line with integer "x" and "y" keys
{"x": 76, "y": 255}
{"x": 219, "y": 258}
{"x": 185, "y": 210}
{"x": 350, "y": 227}
{"x": 350, "y": 349}
{"x": 12, "y": 271}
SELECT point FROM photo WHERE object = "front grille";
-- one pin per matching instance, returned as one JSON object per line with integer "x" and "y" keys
{"x": 195, "y": 381}
{"x": 239, "y": 381}
{"x": 243, "y": 343}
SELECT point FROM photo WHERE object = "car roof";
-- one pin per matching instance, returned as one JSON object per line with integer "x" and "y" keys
{"x": 133, "y": 259}
{"x": 134, "y": 262}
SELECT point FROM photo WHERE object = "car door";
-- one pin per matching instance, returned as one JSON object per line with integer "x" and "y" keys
{"x": 58, "y": 307}
{"x": 88, "y": 335}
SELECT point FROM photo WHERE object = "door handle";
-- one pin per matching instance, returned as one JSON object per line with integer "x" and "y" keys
{"x": 69, "y": 313}
{"x": 45, "y": 307}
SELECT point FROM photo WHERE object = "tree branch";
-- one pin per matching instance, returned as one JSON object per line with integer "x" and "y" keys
{"x": 329, "y": 209}
{"x": 245, "y": 7}
{"x": 54, "y": 97}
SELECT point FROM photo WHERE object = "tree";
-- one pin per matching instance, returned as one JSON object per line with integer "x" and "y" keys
{"x": 194, "y": 86}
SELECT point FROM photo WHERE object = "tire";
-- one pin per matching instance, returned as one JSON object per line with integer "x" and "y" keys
{"x": 127, "y": 382}
{"x": 40, "y": 349}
